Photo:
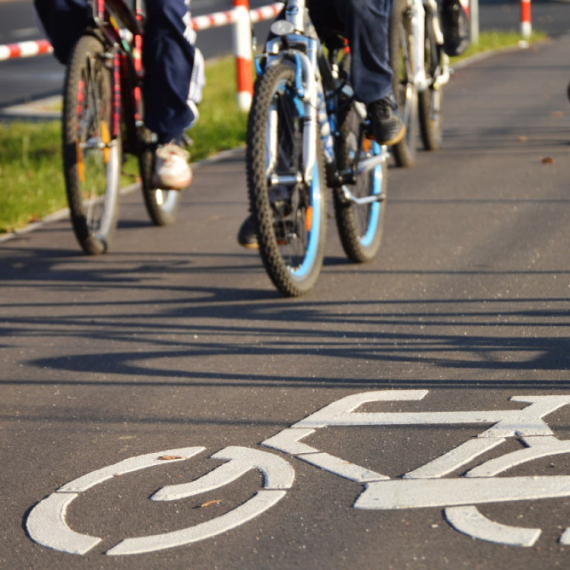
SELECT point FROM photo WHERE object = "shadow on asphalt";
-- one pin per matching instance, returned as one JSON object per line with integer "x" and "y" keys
{"x": 172, "y": 325}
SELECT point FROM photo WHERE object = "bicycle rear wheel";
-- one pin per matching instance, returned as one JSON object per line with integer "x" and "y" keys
{"x": 162, "y": 205}
{"x": 401, "y": 44}
{"x": 91, "y": 156}
{"x": 430, "y": 102}
{"x": 290, "y": 215}
{"x": 360, "y": 226}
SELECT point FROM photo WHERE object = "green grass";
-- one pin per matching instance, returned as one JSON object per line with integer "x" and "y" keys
{"x": 31, "y": 173}
{"x": 31, "y": 176}
{"x": 494, "y": 40}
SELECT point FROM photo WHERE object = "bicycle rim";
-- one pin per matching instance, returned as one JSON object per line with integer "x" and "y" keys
{"x": 401, "y": 38}
{"x": 290, "y": 214}
{"x": 92, "y": 157}
{"x": 360, "y": 226}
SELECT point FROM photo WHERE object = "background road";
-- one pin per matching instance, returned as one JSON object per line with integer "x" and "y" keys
{"x": 33, "y": 78}
{"x": 176, "y": 338}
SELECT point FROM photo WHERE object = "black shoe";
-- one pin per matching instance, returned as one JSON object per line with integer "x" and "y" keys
{"x": 455, "y": 24}
{"x": 246, "y": 234}
{"x": 387, "y": 125}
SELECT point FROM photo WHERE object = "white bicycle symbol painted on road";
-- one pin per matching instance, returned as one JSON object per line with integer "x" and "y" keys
{"x": 421, "y": 488}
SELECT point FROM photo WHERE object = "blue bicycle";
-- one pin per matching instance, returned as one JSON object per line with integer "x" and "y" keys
{"x": 306, "y": 131}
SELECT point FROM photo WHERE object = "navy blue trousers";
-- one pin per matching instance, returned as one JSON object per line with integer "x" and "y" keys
{"x": 168, "y": 56}
{"x": 365, "y": 24}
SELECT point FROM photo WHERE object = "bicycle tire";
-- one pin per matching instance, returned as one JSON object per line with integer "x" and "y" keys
{"x": 290, "y": 218}
{"x": 430, "y": 102}
{"x": 92, "y": 158}
{"x": 360, "y": 227}
{"x": 161, "y": 205}
{"x": 405, "y": 91}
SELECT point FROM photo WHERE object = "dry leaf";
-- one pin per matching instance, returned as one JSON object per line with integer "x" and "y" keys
{"x": 170, "y": 457}
{"x": 557, "y": 114}
{"x": 547, "y": 160}
{"x": 210, "y": 503}
{"x": 522, "y": 138}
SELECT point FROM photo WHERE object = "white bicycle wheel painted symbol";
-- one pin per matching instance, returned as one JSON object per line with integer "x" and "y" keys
{"x": 421, "y": 488}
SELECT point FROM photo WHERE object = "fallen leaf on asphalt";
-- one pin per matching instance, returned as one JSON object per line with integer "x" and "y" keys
{"x": 170, "y": 457}
{"x": 547, "y": 160}
{"x": 556, "y": 114}
{"x": 523, "y": 139}
{"x": 210, "y": 503}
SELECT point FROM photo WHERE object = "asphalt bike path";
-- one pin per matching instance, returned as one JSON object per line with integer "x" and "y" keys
{"x": 409, "y": 413}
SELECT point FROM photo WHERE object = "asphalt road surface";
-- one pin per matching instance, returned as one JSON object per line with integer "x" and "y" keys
{"x": 174, "y": 348}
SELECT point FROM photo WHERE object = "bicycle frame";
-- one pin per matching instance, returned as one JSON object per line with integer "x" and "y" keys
{"x": 420, "y": 11}
{"x": 121, "y": 30}
{"x": 304, "y": 48}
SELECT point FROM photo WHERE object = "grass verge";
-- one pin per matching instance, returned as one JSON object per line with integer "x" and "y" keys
{"x": 31, "y": 176}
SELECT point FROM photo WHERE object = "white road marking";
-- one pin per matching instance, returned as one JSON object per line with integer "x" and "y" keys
{"x": 470, "y": 521}
{"x": 422, "y": 493}
{"x": 277, "y": 472}
{"x": 46, "y": 525}
{"x": 538, "y": 447}
{"x": 508, "y": 423}
{"x": 258, "y": 504}
{"x": 454, "y": 459}
{"x": 342, "y": 468}
{"x": 128, "y": 466}
{"x": 424, "y": 487}
{"x": 565, "y": 538}
{"x": 287, "y": 441}
{"x": 340, "y": 413}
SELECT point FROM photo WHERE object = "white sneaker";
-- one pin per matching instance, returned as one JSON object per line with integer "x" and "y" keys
{"x": 172, "y": 170}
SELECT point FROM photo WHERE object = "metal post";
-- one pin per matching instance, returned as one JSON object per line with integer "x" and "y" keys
{"x": 474, "y": 21}
{"x": 526, "y": 25}
{"x": 243, "y": 54}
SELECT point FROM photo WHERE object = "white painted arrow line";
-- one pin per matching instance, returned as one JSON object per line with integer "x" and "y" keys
{"x": 255, "y": 506}
{"x": 470, "y": 521}
{"x": 277, "y": 472}
{"x": 422, "y": 493}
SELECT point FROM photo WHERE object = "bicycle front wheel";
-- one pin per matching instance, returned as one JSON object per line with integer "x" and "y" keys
{"x": 91, "y": 156}
{"x": 360, "y": 225}
{"x": 401, "y": 45}
{"x": 290, "y": 214}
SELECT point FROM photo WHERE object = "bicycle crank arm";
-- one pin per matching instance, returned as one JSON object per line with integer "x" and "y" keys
{"x": 370, "y": 163}
{"x": 350, "y": 197}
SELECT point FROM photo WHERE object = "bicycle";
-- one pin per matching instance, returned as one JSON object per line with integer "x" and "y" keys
{"x": 103, "y": 119}
{"x": 421, "y": 69}
{"x": 306, "y": 131}
{"x": 442, "y": 482}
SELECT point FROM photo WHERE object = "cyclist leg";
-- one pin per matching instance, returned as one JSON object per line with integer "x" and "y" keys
{"x": 169, "y": 58}
{"x": 63, "y": 22}
{"x": 365, "y": 24}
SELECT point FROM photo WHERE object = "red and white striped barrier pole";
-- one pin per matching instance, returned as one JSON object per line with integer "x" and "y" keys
{"x": 526, "y": 24}
{"x": 25, "y": 49}
{"x": 243, "y": 54}
{"x": 241, "y": 17}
